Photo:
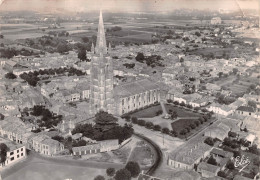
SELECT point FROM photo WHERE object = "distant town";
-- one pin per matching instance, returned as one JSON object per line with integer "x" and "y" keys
{"x": 121, "y": 96}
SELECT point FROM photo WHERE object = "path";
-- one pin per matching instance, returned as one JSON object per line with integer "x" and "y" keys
{"x": 163, "y": 109}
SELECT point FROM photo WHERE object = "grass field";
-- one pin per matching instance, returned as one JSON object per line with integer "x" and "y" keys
{"x": 148, "y": 112}
{"x": 181, "y": 112}
{"x": 177, "y": 126}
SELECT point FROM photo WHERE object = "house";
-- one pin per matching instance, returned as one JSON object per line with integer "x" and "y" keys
{"x": 15, "y": 153}
{"x": 45, "y": 145}
{"x": 245, "y": 111}
{"x": 189, "y": 154}
{"x": 220, "y": 131}
{"x": 219, "y": 153}
{"x": 250, "y": 138}
{"x": 207, "y": 170}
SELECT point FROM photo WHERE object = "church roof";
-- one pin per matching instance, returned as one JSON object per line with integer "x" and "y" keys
{"x": 136, "y": 87}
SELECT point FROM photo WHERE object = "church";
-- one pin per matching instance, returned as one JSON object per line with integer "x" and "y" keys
{"x": 104, "y": 95}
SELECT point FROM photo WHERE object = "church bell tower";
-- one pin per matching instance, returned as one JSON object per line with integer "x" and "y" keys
{"x": 101, "y": 72}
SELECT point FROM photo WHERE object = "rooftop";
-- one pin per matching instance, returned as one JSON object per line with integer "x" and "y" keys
{"x": 208, "y": 167}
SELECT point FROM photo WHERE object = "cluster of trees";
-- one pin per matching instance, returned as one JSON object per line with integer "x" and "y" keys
{"x": 82, "y": 54}
{"x": 49, "y": 44}
{"x": 8, "y": 53}
{"x": 58, "y": 33}
{"x": 106, "y": 127}
{"x": 173, "y": 114}
{"x": 131, "y": 170}
{"x": 195, "y": 124}
{"x": 212, "y": 161}
{"x": 47, "y": 120}
{"x": 153, "y": 60}
{"x": 32, "y": 77}
{"x": 10, "y": 76}
{"x": 225, "y": 100}
{"x": 210, "y": 141}
{"x": 129, "y": 65}
{"x": 149, "y": 125}
{"x": 112, "y": 29}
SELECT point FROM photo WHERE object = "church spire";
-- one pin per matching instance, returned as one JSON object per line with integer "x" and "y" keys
{"x": 101, "y": 46}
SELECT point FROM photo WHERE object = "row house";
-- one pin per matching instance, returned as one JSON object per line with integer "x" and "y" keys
{"x": 189, "y": 154}
{"x": 220, "y": 109}
{"x": 98, "y": 147}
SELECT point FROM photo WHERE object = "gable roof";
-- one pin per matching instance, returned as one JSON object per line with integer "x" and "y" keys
{"x": 246, "y": 109}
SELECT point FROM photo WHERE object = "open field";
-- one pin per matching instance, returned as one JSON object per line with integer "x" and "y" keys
{"x": 42, "y": 171}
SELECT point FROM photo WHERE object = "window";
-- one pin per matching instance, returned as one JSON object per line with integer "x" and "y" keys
{"x": 18, "y": 156}
{"x": 11, "y": 153}
{"x": 122, "y": 101}
{"x": 18, "y": 151}
{"x": 12, "y": 158}
{"x": 21, "y": 154}
{"x": 250, "y": 114}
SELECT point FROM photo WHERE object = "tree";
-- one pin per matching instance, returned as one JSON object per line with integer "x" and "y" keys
{"x": 230, "y": 165}
{"x": 182, "y": 103}
{"x": 3, "y": 151}
{"x": 222, "y": 174}
{"x": 111, "y": 171}
{"x": 209, "y": 141}
{"x": 134, "y": 120}
{"x": 193, "y": 126}
{"x": 252, "y": 104}
{"x": 220, "y": 74}
{"x": 232, "y": 134}
{"x": 105, "y": 121}
{"x": 10, "y": 76}
{"x": 212, "y": 161}
{"x": 82, "y": 54}
{"x": 133, "y": 168}
{"x": 140, "y": 57}
{"x": 141, "y": 122}
{"x": 165, "y": 130}
{"x": 157, "y": 127}
{"x": 252, "y": 86}
{"x": 183, "y": 131}
{"x": 174, "y": 115}
{"x": 62, "y": 48}
{"x": 149, "y": 125}
{"x": 58, "y": 138}
{"x": 123, "y": 174}
{"x": 99, "y": 177}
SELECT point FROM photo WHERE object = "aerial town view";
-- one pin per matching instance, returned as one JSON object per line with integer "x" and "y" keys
{"x": 129, "y": 90}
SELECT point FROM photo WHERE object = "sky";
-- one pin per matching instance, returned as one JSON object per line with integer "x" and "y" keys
{"x": 125, "y": 5}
